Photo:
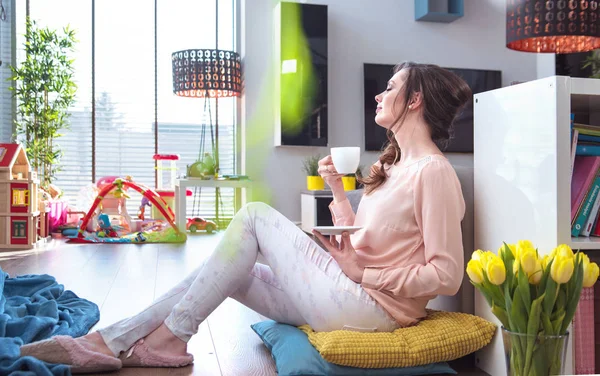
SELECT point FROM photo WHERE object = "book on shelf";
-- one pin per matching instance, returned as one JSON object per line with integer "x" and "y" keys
{"x": 585, "y": 179}
{"x": 585, "y": 138}
{"x": 587, "y": 141}
{"x": 585, "y": 186}
{"x": 587, "y": 129}
{"x": 574, "y": 138}
{"x": 586, "y": 208}
{"x": 592, "y": 219}
{"x": 595, "y": 227}
{"x": 588, "y": 149}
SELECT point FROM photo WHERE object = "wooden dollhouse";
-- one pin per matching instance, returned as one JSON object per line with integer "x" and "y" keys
{"x": 23, "y": 217}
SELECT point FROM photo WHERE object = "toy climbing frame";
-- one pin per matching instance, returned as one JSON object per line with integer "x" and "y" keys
{"x": 150, "y": 194}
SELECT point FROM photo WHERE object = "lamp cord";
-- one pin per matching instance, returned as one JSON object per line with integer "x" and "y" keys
{"x": 216, "y": 25}
{"x": 216, "y": 143}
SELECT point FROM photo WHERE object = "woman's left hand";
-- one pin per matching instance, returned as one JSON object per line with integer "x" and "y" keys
{"x": 344, "y": 254}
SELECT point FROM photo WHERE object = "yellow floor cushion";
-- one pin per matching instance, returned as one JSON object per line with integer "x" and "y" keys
{"x": 441, "y": 336}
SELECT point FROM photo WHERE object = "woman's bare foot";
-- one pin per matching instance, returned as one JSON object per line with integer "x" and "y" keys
{"x": 94, "y": 342}
{"x": 163, "y": 340}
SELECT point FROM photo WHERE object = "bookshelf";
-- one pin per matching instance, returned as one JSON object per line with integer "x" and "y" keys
{"x": 522, "y": 175}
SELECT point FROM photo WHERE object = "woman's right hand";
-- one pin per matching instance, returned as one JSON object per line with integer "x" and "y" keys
{"x": 329, "y": 173}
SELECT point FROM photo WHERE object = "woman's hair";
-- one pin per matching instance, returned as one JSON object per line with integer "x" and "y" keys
{"x": 443, "y": 93}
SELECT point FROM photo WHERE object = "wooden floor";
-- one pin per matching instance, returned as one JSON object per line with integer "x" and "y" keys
{"x": 123, "y": 279}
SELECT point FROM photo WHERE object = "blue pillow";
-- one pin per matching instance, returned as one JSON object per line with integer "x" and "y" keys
{"x": 294, "y": 355}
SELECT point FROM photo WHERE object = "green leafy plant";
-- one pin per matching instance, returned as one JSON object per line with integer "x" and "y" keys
{"x": 359, "y": 171}
{"x": 204, "y": 168}
{"x": 209, "y": 165}
{"x": 45, "y": 89}
{"x": 593, "y": 61}
{"x": 310, "y": 165}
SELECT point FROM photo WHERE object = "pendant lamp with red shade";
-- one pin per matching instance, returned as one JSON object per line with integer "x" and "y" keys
{"x": 553, "y": 26}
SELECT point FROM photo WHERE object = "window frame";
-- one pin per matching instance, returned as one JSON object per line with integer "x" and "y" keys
{"x": 239, "y": 138}
{"x": 23, "y": 194}
{"x": 19, "y": 224}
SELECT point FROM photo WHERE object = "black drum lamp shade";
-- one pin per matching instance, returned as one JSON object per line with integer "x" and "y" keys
{"x": 206, "y": 73}
{"x": 554, "y": 26}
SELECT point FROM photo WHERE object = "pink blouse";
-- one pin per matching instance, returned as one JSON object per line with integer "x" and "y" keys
{"x": 411, "y": 240}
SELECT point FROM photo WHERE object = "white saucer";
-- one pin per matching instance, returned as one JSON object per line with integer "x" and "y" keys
{"x": 336, "y": 230}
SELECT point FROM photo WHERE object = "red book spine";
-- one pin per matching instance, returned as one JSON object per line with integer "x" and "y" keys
{"x": 596, "y": 227}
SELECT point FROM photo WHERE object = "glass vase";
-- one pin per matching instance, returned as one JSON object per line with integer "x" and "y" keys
{"x": 534, "y": 355}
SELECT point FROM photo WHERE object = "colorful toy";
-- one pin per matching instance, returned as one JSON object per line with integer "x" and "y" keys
{"x": 106, "y": 229}
{"x": 166, "y": 192}
{"x": 140, "y": 238}
{"x": 159, "y": 158}
{"x": 142, "y": 210}
{"x": 23, "y": 214}
{"x": 151, "y": 232}
{"x": 115, "y": 203}
{"x": 198, "y": 223}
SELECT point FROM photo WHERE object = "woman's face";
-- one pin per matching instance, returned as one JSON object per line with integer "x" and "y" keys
{"x": 388, "y": 108}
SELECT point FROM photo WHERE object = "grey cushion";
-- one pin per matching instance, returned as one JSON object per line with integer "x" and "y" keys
{"x": 354, "y": 198}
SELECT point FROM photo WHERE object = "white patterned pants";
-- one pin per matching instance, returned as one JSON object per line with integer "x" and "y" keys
{"x": 302, "y": 284}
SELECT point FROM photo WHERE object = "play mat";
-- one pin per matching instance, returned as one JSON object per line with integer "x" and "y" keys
{"x": 107, "y": 221}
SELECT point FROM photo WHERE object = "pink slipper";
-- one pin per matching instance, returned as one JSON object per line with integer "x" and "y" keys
{"x": 65, "y": 350}
{"x": 141, "y": 355}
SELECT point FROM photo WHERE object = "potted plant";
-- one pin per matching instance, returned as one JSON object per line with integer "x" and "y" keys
{"x": 204, "y": 168}
{"x": 535, "y": 300}
{"x": 310, "y": 165}
{"x": 359, "y": 177}
{"x": 349, "y": 180}
{"x": 593, "y": 61}
{"x": 45, "y": 90}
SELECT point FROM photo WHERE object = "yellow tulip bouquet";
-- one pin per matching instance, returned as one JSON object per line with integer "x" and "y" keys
{"x": 534, "y": 298}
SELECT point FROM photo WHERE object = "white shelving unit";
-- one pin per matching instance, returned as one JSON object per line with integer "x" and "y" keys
{"x": 522, "y": 180}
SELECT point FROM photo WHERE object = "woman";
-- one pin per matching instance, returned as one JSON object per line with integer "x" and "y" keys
{"x": 378, "y": 279}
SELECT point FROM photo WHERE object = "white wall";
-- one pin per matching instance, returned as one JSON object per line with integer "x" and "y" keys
{"x": 362, "y": 31}
{"x": 546, "y": 65}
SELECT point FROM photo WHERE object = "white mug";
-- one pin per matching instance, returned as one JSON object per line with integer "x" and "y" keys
{"x": 346, "y": 159}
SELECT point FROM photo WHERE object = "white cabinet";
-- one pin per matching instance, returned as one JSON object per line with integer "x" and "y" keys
{"x": 315, "y": 209}
{"x": 522, "y": 180}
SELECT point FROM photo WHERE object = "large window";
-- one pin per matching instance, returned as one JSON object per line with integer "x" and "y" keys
{"x": 76, "y": 142}
{"x": 123, "y": 66}
{"x": 124, "y": 76}
{"x": 180, "y": 119}
{"x": 5, "y": 58}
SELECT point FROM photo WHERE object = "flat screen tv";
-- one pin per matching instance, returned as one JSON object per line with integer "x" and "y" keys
{"x": 376, "y": 77}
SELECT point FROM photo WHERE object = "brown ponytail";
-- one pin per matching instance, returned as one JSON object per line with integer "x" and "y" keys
{"x": 444, "y": 95}
{"x": 377, "y": 175}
